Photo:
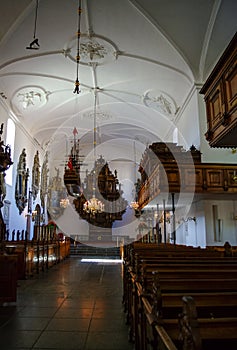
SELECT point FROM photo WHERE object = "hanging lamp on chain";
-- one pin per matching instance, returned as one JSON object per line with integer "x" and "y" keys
{"x": 94, "y": 206}
{"x": 77, "y": 83}
{"x": 34, "y": 45}
{"x": 134, "y": 204}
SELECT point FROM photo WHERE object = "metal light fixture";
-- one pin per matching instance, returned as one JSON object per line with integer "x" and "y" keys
{"x": 34, "y": 45}
{"x": 98, "y": 200}
{"x": 34, "y": 214}
{"x": 134, "y": 204}
{"x": 234, "y": 177}
{"x": 64, "y": 203}
{"x": 94, "y": 205}
{"x": 77, "y": 83}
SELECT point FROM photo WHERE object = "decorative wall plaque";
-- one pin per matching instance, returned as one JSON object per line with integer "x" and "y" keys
{"x": 21, "y": 182}
{"x": 35, "y": 176}
{"x": 44, "y": 181}
{"x": 56, "y": 193}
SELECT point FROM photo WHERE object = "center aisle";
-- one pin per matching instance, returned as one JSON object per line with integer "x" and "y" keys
{"x": 74, "y": 305}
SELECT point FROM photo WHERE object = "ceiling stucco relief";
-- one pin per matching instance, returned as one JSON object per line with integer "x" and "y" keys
{"x": 101, "y": 115}
{"x": 28, "y": 99}
{"x": 162, "y": 102}
{"x": 94, "y": 48}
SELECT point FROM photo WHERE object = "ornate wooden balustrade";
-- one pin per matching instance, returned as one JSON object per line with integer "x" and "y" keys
{"x": 163, "y": 171}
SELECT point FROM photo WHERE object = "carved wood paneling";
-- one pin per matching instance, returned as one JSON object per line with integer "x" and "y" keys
{"x": 204, "y": 178}
{"x": 230, "y": 81}
{"x": 220, "y": 94}
{"x": 187, "y": 175}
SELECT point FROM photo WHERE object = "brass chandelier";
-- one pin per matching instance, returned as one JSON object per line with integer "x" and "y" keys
{"x": 94, "y": 205}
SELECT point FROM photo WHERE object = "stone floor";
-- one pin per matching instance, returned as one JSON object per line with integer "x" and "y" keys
{"x": 74, "y": 305}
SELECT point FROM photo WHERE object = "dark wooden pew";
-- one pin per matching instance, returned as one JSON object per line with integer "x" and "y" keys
{"x": 136, "y": 253}
{"x": 152, "y": 312}
{"x": 172, "y": 273}
{"x": 8, "y": 278}
{"x": 188, "y": 331}
{"x": 181, "y": 286}
{"x": 139, "y": 260}
{"x": 143, "y": 272}
{"x": 215, "y": 311}
{"x": 178, "y": 276}
{"x": 201, "y": 333}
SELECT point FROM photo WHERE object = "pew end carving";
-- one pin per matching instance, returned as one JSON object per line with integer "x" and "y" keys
{"x": 188, "y": 325}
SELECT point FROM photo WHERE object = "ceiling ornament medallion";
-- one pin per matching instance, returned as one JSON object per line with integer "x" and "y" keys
{"x": 93, "y": 49}
{"x": 28, "y": 99}
{"x": 100, "y": 115}
{"x": 160, "y": 101}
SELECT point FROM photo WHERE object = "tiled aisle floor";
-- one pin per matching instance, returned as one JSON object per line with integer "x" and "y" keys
{"x": 74, "y": 305}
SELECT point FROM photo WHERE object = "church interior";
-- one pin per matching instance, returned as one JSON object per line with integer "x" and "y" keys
{"x": 118, "y": 174}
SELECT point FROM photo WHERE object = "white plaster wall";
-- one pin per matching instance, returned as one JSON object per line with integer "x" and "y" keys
{"x": 226, "y": 212}
{"x": 71, "y": 224}
{"x": 201, "y": 231}
{"x": 187, "y": 122}
{"x": 22, "y": 140}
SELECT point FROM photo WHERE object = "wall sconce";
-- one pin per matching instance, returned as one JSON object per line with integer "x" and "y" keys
{"x": 234, "y": 177}
{"x": 190, "y": 218}
{"x": 34, "y": 214}
{"x": 64, "y": 203}
{"x": 167, "y": 218}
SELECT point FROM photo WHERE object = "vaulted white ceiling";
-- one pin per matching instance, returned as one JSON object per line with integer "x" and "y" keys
{"x": 147, "y": 56}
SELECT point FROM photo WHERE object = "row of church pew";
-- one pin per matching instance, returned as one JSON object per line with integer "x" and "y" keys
{"x": 178, "y": 297}
{"x": 37, "y": 255}
{"x": 25, "y": 259}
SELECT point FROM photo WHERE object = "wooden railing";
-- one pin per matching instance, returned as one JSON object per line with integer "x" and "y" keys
{"x": 200, "y": 178}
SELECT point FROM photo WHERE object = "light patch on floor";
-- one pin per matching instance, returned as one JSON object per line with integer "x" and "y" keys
{"x": 99, "y": 260}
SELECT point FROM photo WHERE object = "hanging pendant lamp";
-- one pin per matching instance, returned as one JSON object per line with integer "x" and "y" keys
{"x": 34, "y": 45}
{"x": 77, "y": 83}
{"x": 93, "y": 205}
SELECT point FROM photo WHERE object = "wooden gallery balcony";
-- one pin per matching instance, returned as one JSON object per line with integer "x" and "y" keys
{"x": 167, "y": 168}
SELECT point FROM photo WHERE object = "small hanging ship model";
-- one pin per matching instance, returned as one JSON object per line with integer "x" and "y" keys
{"x": 72, "y": 169}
